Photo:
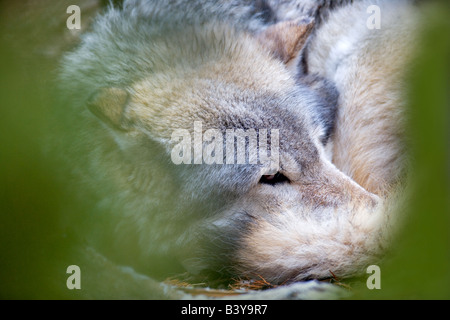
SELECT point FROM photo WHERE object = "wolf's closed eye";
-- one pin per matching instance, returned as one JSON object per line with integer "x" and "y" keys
{"x": 274, "y": 179}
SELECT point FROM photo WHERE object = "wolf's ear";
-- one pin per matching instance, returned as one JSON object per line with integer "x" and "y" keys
{"x": 109, "y": 105}
{"x": 286, "y": 39}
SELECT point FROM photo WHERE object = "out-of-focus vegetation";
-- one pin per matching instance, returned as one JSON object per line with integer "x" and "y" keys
{"x": 34, "y": 250}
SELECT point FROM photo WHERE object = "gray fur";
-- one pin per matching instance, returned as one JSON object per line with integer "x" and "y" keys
{"x": 317, "y": 9}
{"x": 146, "y": 209}
{"x": 120, "y": 51}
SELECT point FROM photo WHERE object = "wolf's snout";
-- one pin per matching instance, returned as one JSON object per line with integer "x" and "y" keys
{"x": 332, "y": 188}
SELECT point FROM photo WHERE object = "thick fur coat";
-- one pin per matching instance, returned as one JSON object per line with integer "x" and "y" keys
{"x": 334, "y": 93}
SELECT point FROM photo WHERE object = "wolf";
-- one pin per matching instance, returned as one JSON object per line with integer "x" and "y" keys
{"x": 327, "y": 85}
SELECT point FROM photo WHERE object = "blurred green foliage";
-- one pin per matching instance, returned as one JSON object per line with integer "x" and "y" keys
{"x": 32, "y": 197}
